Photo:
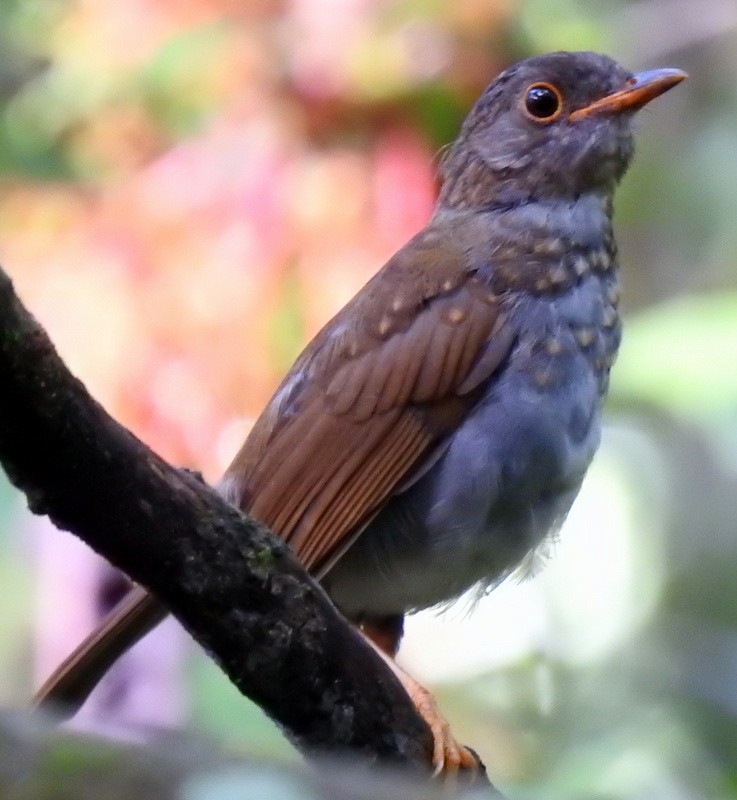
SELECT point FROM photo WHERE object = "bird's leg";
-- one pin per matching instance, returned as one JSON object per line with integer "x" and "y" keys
{"x": 384, "y": 635}
{"x": 384, "y": 632}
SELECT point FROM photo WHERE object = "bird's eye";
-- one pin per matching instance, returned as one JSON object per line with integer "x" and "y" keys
{"x": 543, "y": 102}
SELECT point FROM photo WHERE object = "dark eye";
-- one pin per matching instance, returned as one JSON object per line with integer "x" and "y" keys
{"x": 543, "y": 102}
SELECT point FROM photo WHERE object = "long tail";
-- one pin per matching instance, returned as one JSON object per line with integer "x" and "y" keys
{"x": 74, "y": 679}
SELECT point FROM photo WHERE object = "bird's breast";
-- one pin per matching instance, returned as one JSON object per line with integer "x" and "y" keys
{"x": 509, "y": 473}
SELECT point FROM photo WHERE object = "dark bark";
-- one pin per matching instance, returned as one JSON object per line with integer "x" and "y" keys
{"x": 234, "y": 586}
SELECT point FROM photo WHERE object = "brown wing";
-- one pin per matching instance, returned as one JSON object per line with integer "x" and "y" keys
{"x": 368, "y": 403}
{"x": 369, "y": 399}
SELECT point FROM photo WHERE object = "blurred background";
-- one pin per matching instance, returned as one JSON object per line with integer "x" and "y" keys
{"x": 189, "y": 189}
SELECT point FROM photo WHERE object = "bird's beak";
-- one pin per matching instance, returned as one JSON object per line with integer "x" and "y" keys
{"x": 639, "y": 90}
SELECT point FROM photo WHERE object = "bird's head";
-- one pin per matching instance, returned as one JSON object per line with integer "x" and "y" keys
{"x": 557, "y": 125}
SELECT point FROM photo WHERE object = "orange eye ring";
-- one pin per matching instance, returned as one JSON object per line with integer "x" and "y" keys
{"x": 542, "y": 103}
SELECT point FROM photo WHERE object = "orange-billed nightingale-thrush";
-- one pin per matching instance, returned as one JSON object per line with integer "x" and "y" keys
{"x": 439, "y": 427}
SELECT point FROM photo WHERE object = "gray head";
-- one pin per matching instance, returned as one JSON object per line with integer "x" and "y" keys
{"x": 552, "y": 126}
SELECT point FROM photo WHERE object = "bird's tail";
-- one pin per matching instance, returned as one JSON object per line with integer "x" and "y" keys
{"x": 74, "y": 679}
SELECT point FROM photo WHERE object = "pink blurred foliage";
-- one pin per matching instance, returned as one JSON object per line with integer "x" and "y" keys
{"x": 160, "y": 273}
{"x": 158, "y": 288}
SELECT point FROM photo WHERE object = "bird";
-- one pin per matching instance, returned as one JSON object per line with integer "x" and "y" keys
{"x": 436, "y": 431}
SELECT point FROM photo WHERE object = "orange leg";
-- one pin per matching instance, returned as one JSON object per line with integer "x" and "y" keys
{"x": 448, "y": 756}
{"x": 384, "y": 632}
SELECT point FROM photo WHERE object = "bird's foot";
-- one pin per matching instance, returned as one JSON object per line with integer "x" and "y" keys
{"x": 448, "y": 756}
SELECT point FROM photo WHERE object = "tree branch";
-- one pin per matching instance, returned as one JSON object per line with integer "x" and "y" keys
{"x": 234, "y": 586}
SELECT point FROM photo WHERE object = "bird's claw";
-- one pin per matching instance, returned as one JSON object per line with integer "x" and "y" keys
{"x": 448, "y": 756}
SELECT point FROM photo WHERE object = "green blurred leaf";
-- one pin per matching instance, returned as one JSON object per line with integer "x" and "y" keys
{"x": 176, "y": 84}
{"x": 682, "y": 356}
{"x": 221, "y": 710}
{"x": 561, "y": 25}
{"x": 286, "y": 324}
{"x": 439, "y": 112}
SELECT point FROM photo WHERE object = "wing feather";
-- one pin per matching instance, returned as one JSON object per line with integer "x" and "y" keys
{"x": 370, "y": 401}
